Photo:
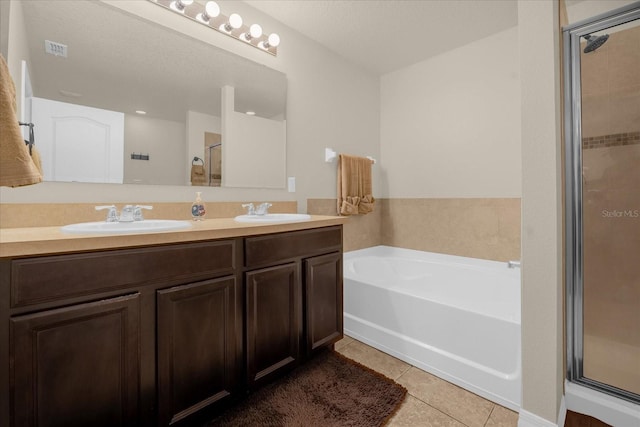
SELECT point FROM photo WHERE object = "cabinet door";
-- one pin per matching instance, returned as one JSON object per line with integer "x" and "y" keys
{"x": 199, "y": 346}
{"x": 323, "y": 301}
{"x": 273, "y": 321}
{"x": 78, "y": 365}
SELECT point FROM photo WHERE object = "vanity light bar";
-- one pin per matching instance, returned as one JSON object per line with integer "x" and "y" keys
{"x": 231, "y": 25}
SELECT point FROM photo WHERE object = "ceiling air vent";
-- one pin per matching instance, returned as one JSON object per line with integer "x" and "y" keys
{"x": 57, "y": 49}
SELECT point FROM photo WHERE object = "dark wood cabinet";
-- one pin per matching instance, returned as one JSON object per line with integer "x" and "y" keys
{"x": 294, "y": 302}
{"x": 199, "y": 346}
{"x": 78, "y": 365}
{"x": 323, "y": 300}
{"x": 274, "y": 321}
{"x": 159, "y": 335}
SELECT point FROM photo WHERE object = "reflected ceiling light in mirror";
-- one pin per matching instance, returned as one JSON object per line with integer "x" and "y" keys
{"x": 209, "y": 14}
{"x": 141, "y": 112}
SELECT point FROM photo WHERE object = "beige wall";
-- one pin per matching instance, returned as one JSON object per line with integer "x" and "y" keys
{"x": 542, "y": 331}
{"x": 577, "y": 10}
{"x": 450, "y": 151}
{"x": 450, "y": 125}
{"x": 162, "y": 140}
{"x": 17, "y": 49}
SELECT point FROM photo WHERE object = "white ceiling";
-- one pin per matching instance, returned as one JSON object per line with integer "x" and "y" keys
{"x": 386, "y": 35}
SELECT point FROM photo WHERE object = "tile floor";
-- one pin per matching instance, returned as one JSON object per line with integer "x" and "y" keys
{"x": 430, "y": 401}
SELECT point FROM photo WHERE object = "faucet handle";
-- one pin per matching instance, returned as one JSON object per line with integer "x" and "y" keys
{"x": 137, "y": 211}
{"x": 251, "y": 210}
{"x": 263, "y": 208}
{"x": 112, "y": 214}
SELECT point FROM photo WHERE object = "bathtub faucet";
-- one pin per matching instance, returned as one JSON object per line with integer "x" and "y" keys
{"x": 513, "y": 264}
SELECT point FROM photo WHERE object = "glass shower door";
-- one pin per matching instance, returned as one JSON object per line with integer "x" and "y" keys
{"x": 603, "y": 157}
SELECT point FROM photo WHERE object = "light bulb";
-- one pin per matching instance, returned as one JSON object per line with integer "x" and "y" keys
{"x": 211, "y": 10}
{"x": 255, "y": 31}
{"x": 179, "y": 5}
{"x": 273, "y": 40}
{"x": 235, "y": 20}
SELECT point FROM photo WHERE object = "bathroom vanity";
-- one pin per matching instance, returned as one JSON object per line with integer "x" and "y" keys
{"x": 165, "y": 327}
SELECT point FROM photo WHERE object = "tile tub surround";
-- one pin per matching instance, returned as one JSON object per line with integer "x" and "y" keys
{"x": 15, "y": 215}
{"x": 430, "y": 400}
{"x": 485, "y": 228}
{"x": 360, "y": 231}
{"x": 477, "y": 228}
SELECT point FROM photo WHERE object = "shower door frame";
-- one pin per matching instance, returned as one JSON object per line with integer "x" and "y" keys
{"x": 574, "y": 260}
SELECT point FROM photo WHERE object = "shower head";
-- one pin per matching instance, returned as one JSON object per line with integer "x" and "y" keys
{"x": 594, "y": 42}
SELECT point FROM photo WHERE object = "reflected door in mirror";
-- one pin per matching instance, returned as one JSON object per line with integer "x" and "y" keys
{"x": 78, "y": 143}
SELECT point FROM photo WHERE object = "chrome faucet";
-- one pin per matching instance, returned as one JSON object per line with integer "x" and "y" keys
{"x": 126, "y": 214}
{"x": 137, "y": 212}
{"x": 262, "y": 209}
{"x": 129, "y": 213}
{"x": 513, "y": 264}
{"x": 112, "y": 213}
{"x": 251, "y": 210}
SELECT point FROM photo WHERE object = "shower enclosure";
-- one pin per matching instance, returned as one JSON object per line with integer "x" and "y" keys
{"x": 602, "y": 130}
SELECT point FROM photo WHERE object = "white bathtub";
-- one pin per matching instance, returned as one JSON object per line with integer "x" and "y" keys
{"x": 456, "y": 317}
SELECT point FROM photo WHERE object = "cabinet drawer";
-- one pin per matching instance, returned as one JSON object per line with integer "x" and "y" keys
{"x": 270, "y": 249}
{"x": 50, "y": 278}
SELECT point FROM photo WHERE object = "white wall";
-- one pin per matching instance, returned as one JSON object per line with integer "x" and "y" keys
{"x": 450, "y": 125}
{"x": 330, "y": 102}
{"x": 164, "y": 141}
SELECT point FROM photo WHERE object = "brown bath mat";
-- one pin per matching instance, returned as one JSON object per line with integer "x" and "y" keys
{"x": 329, "y": 390}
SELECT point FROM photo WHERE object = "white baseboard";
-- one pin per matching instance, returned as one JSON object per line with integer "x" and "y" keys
{"x": 528, "y": 419}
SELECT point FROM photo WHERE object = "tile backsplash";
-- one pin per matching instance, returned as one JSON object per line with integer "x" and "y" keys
{"x": 13, "y": 215}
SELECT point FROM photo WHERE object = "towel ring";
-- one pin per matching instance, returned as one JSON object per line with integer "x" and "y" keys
{"x": 32, "y": 139}
{"x": 197, "y": 159}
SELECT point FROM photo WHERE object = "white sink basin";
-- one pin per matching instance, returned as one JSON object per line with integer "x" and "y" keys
{"x": 146, "y": 226}
{"x": 274, "y": 217}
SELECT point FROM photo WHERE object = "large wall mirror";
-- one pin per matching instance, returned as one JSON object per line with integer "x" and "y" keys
{"x": 87, "y": 57}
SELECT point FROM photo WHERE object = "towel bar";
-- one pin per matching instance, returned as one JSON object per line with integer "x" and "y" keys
{"x": 330, "y": 155}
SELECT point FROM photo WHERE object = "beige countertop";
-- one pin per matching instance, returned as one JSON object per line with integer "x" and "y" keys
{"x": 19, "y": 242}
